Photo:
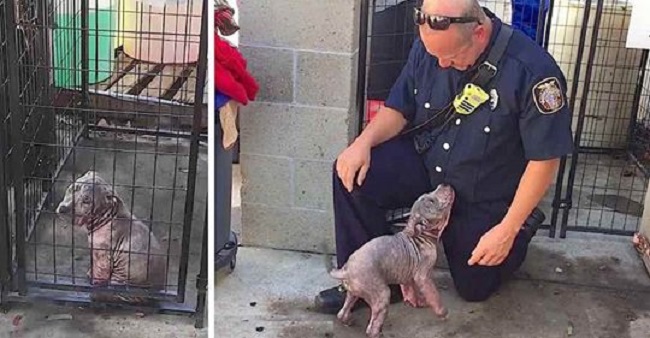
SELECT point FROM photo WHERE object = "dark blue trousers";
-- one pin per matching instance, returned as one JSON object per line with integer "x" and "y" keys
{"x": 396, "y": 178}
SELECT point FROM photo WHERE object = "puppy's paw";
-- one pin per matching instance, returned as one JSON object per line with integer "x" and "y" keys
{"x": 442, "y": 313}
{"x": 345, "y": 318}
{"x": 373, "y": 332}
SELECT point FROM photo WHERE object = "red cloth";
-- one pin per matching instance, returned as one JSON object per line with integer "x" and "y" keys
{"x": 231, "y": 75}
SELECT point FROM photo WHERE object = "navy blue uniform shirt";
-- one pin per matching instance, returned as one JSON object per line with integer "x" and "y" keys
{"x": 483, "y": 155}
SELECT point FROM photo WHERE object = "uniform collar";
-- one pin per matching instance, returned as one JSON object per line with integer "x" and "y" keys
{"x": 496, "y": 27}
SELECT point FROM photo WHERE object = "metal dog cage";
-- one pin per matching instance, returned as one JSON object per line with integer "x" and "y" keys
{"x": 119, "y": 88}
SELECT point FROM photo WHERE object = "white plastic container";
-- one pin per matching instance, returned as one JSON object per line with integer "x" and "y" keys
{"x": 161, "y": 31}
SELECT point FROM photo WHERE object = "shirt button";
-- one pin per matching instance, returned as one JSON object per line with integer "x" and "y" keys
{"x": 427, "y": 105}
{"x": 415, "y": 91}
{"x": 486, "y": 129}
{"x": 445, "y": 146}
{"x": 457, "y": 121}
{"x": 438, "y": 169}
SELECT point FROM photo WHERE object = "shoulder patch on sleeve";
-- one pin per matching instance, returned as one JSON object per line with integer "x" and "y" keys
{"x": 548, "y": 95}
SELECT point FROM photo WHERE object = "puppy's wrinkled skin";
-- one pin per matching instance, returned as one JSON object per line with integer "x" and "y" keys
{"x": 124, "y": 250}
{"x": 406, "y": 258}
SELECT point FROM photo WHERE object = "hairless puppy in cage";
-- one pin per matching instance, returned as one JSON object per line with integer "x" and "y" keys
{"x": 406, "y": 258}
{"x": 124, "y": 250}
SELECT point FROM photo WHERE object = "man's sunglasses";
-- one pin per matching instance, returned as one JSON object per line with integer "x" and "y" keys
{"x": 440, "y": 23}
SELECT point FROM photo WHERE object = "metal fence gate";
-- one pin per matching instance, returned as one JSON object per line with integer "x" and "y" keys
{"x": 113, "y": 89}
{"x": 601, "y": 186}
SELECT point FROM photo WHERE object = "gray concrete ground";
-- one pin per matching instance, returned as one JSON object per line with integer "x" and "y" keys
{"x": 49, "y": 321}
{"x": 602, "y": 291}
{"x": 587, "y": 285}
{"x": 59, "y": 248}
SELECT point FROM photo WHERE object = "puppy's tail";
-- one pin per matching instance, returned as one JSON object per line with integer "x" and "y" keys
{"x": 329, "y": 264}
{"x": 339, "y": 273}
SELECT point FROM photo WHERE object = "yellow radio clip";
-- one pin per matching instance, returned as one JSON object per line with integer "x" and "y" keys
{"x": 469, "y": 99}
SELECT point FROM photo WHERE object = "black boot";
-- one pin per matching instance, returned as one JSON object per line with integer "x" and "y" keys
{"x": 330, "y": 301}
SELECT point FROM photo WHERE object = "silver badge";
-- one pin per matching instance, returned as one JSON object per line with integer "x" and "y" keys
{"x": 494, "y": 98}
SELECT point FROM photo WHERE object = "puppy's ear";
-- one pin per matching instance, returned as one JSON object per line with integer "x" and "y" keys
{"x": 443, "y": 224}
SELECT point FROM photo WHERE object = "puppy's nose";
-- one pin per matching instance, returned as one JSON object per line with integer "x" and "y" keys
{"x": 63, "y": 209}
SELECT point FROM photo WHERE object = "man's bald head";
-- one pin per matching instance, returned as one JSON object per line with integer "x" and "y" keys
{"x": 460, "y": 45}
{"x": 454, "y": 8}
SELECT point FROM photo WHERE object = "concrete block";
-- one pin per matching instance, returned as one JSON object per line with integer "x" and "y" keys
{"x": 266, "y": 180}
{"x": 354, "y": 118}
{"x": 293, "y": 131}
{"x": 314, "y": 24}
{"x": 288, "y": 229}
{"x": 325, "y": 79}
{"x": 273, "y": 70}
{"x": 313, "y": 188}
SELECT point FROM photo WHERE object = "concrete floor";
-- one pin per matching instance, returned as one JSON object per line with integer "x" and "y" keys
{"x": 608, "y": 194}
{"x": 58, "y": 248}
{"x": 587, "y": 285}
{"x": 597, "y": 294}
{"x": 48, "y": 321}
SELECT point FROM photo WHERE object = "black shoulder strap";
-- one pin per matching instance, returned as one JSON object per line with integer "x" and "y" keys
{"x": 488, "y": 68}
{"x": 486, "y": 71}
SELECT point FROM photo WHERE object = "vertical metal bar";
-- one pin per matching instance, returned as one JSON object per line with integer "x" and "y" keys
{"x": 583, "y": 101}
{"x": 50, "y": 121}
{"x": 5, "y": 229}
{"x": 202, "y": 278}
{"x": 549, "y": 19}
{"x": 5, "y": 233}
{"x": 17, "y": 141}
{"x": 558, "y": 203}
{"x": 557, "y": 198}
{"x": 85, "y": 69}
{"x": 637, "y": 99}
{"x": 539, "y": 34}
{"x": 361, "y": 68}
{"x": 194, "y": 150}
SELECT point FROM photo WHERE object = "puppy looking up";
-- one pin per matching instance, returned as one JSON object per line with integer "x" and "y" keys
{"x": 406, "y": 258}
{"x": 124, "y": 250}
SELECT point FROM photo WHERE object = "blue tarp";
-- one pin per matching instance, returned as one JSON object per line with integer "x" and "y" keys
{"x": 221, "y": 99}
{"x": 525, "y": 16}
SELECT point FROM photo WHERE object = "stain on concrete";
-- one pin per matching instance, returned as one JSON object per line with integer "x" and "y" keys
{"x": 297, "y": 329}
{"x": 287, "y": 307}
{"x": 595, "y": 270}
{"x": 621, "y": 204}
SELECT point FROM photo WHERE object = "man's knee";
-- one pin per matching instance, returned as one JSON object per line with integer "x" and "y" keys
{"x": 475, "y": 290}
{"x": 474, "y": 283}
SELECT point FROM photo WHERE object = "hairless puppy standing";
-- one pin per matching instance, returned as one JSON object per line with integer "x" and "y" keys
{"x": 124, "y": 250}
{"x": 406, "y": 258}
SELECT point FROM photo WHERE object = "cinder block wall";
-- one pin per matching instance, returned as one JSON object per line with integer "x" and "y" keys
{"x": 304, "y": 55}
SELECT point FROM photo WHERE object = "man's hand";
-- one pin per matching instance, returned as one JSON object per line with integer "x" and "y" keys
{"x": 354, "y": 158}
{"x": 494, "y": 246}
